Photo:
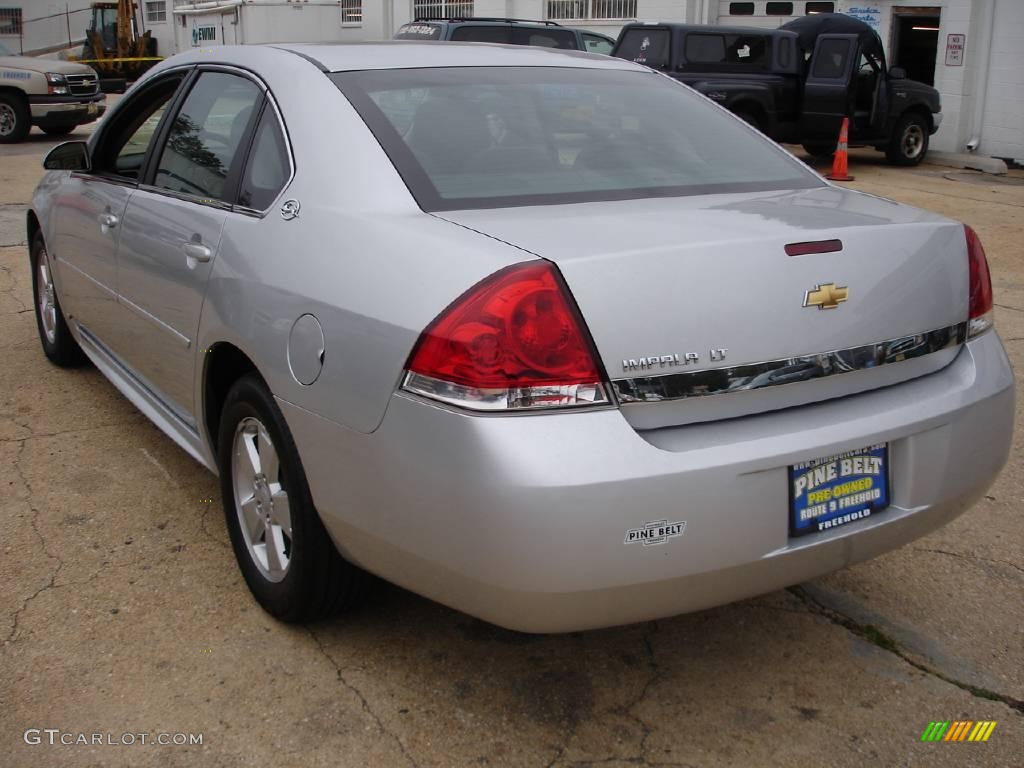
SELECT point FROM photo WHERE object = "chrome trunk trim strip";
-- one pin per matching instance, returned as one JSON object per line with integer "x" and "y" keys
{"x": 741, "y": 378}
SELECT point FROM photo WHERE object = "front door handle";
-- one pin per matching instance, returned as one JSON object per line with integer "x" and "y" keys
{"x": 197, "y": 251}
{"x": 107, "y": 219}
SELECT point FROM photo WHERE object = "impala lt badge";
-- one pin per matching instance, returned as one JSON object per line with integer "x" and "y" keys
{"x": 715, "y": 355}
{"x": 826, "y": 296}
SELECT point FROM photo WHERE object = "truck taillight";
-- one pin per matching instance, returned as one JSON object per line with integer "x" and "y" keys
{"x": 514, "y": 341}
{"x": 980, "y": 317}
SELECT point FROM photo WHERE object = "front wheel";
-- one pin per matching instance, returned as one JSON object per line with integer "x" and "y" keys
{"x": 15, "y": 120}
{"x": 909, "y": 141}
{"x": 58, "y": 343}
{"x": 283, "y": 550}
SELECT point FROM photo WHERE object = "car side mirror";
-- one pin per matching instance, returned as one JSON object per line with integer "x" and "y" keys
{"x": 69, "y": 156}
{"x": 898, "y": 73}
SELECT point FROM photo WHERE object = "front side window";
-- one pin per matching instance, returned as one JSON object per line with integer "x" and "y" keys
{"x": 268, "y": 168}
{"x": 205, "y": 136}
{"x": 488, "y": 137}
{"x": 125, "y": 140}
{"x": 598, "y": 44}
{"x": 649, "y": 47}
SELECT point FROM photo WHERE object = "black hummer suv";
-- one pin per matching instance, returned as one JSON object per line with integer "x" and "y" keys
{"x": 798, "y": 82}
{"x": 510, "y": 31}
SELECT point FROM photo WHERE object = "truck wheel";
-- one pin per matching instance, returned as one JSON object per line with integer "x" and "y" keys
{"x": 909, "y": 141}
{"x": 59, "y": 130}
{"x": 748, "y": 117}
{"x": 820, "y": 149}
{"x": 15, "y": 121}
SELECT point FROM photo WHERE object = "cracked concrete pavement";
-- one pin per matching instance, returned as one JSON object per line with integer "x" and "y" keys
{"x": 122, "y": 610}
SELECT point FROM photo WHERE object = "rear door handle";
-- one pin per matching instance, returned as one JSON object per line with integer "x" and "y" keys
{"x": 197, "y": 251}
{"x": 107, "y": 219}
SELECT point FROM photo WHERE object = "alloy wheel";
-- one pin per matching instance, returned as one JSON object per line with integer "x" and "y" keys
{"x": 45, "y": 295}
{"x": 261, "y": 502}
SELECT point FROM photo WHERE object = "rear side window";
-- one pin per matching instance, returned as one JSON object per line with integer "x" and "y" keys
{"x": 480, "y": 33}
{"x": 649, "y": 47}
{"x": 268, "y": 167}
{"x": 830, "y": 58}
{"x": 202, "y": 145}
{"x": 418, "y": 32}
{"x": 545, "y": 38}
{"x": 727, "y": 50}
{"x": 597, "y": 44}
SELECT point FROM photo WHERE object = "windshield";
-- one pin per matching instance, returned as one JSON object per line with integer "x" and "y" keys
{"x": 488, "y": 137}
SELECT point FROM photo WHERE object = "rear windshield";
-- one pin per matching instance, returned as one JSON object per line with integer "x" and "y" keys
{"x": 489, "y": 137}
{"x": 727, "y": 51}
{"x": 418, "y": 32}
{"x": 650, "y": 47}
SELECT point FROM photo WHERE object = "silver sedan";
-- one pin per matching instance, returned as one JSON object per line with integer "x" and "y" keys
{"x": 543, "y": 336}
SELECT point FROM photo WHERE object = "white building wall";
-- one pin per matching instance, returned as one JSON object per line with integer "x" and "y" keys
{"x": 1002, "y": 131}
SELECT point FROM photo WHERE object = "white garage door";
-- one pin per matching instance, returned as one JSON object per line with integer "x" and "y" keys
{"x": 1002, "y": 133}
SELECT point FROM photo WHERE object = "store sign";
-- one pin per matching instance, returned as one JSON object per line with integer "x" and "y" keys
{"x": 203, "y": 34}
{"x": 869, "y": 14}
{"x": 955, "y": 50}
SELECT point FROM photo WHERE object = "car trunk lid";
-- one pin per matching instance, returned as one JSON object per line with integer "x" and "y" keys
{"x": 675, "y": 287}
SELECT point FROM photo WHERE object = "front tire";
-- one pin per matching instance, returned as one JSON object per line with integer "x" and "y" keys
{"x": 284, "y": 552}
{"x": 15, "y": 120}
{"x": 909, "y": 141}
{"x": 58, "y": 130}
{"x": 58, "y": 343}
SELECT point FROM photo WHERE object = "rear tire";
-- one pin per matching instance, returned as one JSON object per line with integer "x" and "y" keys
{"x": 59, "y": 130}
{"x": 15, "y": 120}
{"x": 283, "y": 550}
{"x": 749, "y": 118}
{"x": 820, "y": 150}
{"x": 909, "y": 142}
{"x": 58, "y": 343}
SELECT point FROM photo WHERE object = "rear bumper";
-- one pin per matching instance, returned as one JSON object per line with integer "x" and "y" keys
{"x": 48, "y": 112}
{"x": 520, "y": 520}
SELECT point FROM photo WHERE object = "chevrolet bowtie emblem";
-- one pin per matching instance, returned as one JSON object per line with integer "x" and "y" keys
{"x": 825, "y": 296}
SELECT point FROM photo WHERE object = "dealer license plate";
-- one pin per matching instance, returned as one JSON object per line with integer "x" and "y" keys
{"x": 826, "y": 493}
{"x": 92, "y": 109}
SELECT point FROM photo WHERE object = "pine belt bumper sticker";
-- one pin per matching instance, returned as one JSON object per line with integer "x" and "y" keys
{"x": 836, "y": 490}
{"x": 655, "y": 532}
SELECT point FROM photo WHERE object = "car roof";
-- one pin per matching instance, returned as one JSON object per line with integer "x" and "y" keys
{"x": 708, "y": 28}
{"x": 407, "y": 54}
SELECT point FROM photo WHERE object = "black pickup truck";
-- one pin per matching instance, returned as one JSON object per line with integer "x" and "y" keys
{"x": 798, "y": 82}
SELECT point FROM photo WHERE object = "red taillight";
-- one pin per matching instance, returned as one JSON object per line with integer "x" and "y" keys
{"x": 515, "y": 340}
{"x": 980, "y": 315}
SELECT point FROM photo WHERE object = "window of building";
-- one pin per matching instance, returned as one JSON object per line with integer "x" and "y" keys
{"x": 571, "y": 10}
{"x": 778, "y": 9}
{"x": 813, "y": 8}
{"x": 156, "y": 11}
{"x": 741, "y": 9}
{"x": 352, "y": 13}
{"x": 442, "y": 9}
{"x": 10, "y": 21}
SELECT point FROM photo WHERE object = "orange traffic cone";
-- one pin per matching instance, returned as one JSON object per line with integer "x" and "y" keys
{"x": 841, "y": 159}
